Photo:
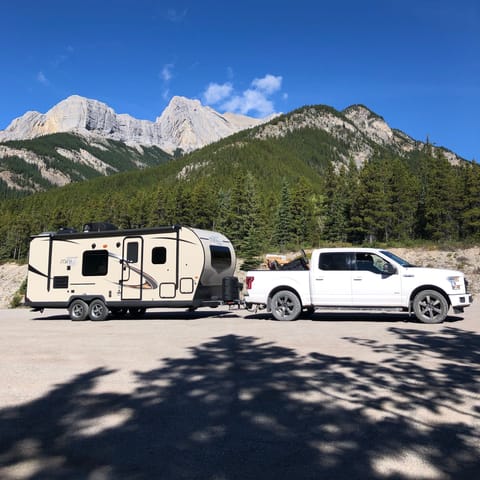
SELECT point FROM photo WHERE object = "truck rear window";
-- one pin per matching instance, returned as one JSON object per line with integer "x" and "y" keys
{"x": 335, "y": 261}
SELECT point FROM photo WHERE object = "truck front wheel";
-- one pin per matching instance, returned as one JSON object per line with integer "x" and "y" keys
{"x": 430, "y": 306}
{"x": 286, "y": 306}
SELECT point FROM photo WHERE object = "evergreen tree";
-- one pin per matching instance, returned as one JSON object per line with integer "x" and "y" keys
{"x": 284, "y": 220}
{"x": 439, "y": 189}
{"x": 372, "y": 213}
{"x": 470, "y": 216}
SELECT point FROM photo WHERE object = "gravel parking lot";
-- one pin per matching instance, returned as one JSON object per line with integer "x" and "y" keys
{"x": 227, "y": 394}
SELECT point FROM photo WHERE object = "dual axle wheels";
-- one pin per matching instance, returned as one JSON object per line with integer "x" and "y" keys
{"x": 80, "y": 310}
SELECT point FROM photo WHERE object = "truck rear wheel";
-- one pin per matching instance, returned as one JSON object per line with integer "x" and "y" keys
{"x": 78, "y": 310}
{"x": 430, "y": 306}
{"x": 286, "y": 306}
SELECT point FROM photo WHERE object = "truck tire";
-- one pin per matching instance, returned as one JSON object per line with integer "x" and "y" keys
{"x": 430, "y": 306}
{"x": 97, "y": 311}
{"x": 285, "y": 306}
{"x": 78, "y": 310}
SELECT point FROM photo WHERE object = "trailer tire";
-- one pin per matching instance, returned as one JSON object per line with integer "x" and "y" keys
{"x": 78, "y": 310}
{"x": 286, "y": 306}
{"x": 430, "y": 306}
{"x": 97, "y": 310}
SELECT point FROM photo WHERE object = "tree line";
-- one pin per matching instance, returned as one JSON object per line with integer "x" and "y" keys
{"x": 387, "y": 199}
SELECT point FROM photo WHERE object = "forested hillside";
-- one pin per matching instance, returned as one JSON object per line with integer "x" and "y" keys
{"x": 29, "y": 166}
{"x": 273, "y": 193}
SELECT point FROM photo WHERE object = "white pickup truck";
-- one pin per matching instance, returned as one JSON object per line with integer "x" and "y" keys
{"x": 357, "y": 279}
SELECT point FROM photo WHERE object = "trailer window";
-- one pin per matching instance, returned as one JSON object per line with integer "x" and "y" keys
{"x": 132, "y": 252}
{"x": 95, "y": 263}
{"x": 159, "y": 255}
{"x": 221, "y": 257}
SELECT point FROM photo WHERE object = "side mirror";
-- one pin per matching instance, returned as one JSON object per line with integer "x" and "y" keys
{"x": 389, "y": 269}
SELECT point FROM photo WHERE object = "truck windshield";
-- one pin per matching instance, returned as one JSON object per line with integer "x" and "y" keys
{"x": 397, "y": 259}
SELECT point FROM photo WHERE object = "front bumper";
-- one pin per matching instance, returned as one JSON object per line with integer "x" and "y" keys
{"x": 461, "y": 300}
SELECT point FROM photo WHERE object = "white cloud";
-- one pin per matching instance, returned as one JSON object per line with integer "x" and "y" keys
{"x": 215, "y": 93}
{"x": 175, "y": 16}
{"x": 254, "y": 100}
{"x": 41, "y": 78}
{"x": 250, "y": 101}
{"x": 268, "y": 84}
{"x": 166, "y": 73}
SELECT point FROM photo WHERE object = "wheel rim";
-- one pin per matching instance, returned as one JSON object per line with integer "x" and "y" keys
{"x": 78, "y": 310}
{"x": 430, "y": 307}
{"x": 97, "y": 310}
{"x": 284, "y": 306}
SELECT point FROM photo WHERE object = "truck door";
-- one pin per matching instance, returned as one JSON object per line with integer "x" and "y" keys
{"x": 132, "y": 268}
{"x": 331, "y": 279}
{"x": 374, "y": 283}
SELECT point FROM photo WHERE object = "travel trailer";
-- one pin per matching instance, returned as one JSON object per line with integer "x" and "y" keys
{"x": 103, "y": 270}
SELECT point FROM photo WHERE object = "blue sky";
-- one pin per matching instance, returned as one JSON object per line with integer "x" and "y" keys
{"x": 414, "y": 62}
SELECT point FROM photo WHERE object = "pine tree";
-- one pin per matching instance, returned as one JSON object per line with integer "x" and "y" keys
{"x": 470, "y": 216}
{"x": 284, "y": 220}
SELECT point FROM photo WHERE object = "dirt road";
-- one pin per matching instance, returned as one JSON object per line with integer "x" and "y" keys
{"x": 219, "y": 394}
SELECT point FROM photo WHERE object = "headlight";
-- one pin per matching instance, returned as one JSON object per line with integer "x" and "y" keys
{"x": 455, "y": 282}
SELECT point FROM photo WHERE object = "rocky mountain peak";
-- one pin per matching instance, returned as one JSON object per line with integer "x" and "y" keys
{"x": 184, "y": 124}
{"x": 371, "y": 124}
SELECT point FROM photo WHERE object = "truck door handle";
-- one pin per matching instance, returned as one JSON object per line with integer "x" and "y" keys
{"x": 358, "y": 279}
{"x": 319, "y": 279}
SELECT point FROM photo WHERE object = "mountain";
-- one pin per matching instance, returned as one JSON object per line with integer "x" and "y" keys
{"x": 80, "y": 138}
{"x": 28, "y": 166}
{"x": 358, "y": 132}
{"x": 185, "y": 124}
{"x": 97, "y": 141}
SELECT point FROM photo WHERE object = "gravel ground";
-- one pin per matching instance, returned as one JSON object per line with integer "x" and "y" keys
{"x": 227, "y": 394}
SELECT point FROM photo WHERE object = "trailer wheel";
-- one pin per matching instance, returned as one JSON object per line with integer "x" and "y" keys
{"x": 97, "y": 311}
{"x": 78, "y": 310}
{"x": 286, "y": 306}
{"x": 430, "y": 306}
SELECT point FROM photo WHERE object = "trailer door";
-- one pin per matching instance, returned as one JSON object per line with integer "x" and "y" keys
{"x": 132, "y": 268}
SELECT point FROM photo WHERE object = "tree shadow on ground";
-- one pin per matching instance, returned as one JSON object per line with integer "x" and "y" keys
{"x": 236, "y": 407}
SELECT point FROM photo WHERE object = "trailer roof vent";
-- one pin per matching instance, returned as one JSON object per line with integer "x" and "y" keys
{"x": 99, "y": 227}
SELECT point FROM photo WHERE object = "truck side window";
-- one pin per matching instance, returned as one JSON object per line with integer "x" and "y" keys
{"x": 95, "y": 263}
{"x": 370, "y": 262}
{"x": 335, "y": 261}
